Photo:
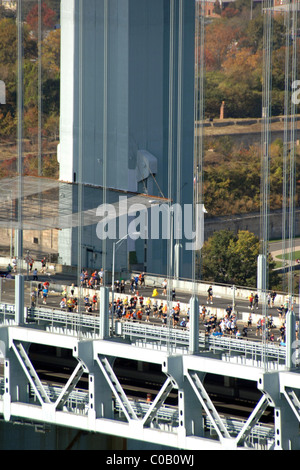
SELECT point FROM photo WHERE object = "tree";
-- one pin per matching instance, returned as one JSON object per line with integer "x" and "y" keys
{"x": 215, "y": 260}
{"x": 219, "y": 40}
{"x": 48, "y": 17}
{"x": 51, "y": 127}
{"x": 231, "y": 258}
{"x": 232, "y": 185}
{"x": 8, "y": 69}
{"x": 255, "y": 32}
{"x": 51, "y": 54}
{"x": 243, "y": 253}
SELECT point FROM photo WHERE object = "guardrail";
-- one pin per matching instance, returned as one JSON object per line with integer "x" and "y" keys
{"x": 177, "y": 338}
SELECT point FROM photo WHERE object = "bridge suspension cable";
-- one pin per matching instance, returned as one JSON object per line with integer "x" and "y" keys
{"x": 199, "y": 118}
{"x": 265, "y": 154}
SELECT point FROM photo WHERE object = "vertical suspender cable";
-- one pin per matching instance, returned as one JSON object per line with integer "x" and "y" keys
{"x": 19, "y": 231}
{"x": 170, "y": 167}
{"x": 198, "y": 156}
{"x": 179, "y": 137}
{"x": 199, "y": 120}
{"x": 196, "y": 118}
{"x": 19, "y": 278}
{"x": 80, "y": 154}
{"x": 292, "y": 181}
{"x": 104, "y": 143}
{"x": 40, "y": 170}
{"x": 290, "y": 335}
{"x": 40, "y": 104}
{"x": 265, "y": 159}
{"x": 287, "y": 20}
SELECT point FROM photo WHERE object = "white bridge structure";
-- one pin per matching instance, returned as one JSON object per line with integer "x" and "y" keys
{"x": 128, "y": 107}
{"x": 184, "y": 358}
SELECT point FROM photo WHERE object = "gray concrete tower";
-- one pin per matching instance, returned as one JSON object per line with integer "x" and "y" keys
{"x": 126, "y": 65}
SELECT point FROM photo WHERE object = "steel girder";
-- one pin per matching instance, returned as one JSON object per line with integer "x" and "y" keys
{"x": 185, "y": 373}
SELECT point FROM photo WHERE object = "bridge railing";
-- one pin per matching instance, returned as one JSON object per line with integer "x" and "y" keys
{"x": 178, "y": 338}
{"x": 7, "y": 313}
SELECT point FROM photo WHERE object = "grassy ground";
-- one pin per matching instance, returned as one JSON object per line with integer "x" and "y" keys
{"x": 295, "y": 256}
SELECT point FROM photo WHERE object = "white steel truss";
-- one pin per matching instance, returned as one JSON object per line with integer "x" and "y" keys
{"x": 184, "y": 373}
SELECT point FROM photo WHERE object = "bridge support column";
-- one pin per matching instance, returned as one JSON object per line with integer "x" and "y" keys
{"x": 19, "y": 299}
{"x": 189, "y": 407}
{"x": 286, "y": 427}
{"x": 190, "y": 411}
{"x": 286, "y": 423}
{"x": 194, "y": 326}
{"x": 16, "y": 385}
{"x": 104, "y": 312}
{"x": 290, "y": 338}
{"x": 100, "y": 399}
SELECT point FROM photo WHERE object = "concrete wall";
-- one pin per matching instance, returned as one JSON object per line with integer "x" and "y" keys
{"x": 249, "y": 222}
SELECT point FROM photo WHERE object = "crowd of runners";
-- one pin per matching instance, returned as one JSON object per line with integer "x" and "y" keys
{"x": 136, "y": 307}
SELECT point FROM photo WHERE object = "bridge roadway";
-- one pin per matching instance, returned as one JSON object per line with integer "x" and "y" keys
{"x": 146, "y": 335}
{"x": 220, "y": 302}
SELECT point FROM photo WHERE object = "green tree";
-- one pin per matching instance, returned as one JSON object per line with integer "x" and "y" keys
{"x": 231, "y": 258}
{"x": 8, "y": 70}
{"x": 215, "y": 259}
{"x": 243, "y": 253}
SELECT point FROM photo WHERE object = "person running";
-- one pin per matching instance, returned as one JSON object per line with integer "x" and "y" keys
{"x": 173, "y": 294}
{"x": 33, "y": 298}
{"x": 203, "y": 313}
{"x": 147, "y": 311}
{"x": 14, "y": 263}
{"x": 255, "y": 305}
{"x": 164, "y": 284}
{"x": 43, "y": 264}
{"x": 251, "y": 298}
{"x": 45, "y": 294}
{"x": 209, "y": 295}
{"x": 258, "y": 327}
{"x": 94, "y": 302}
{"x": 273, "y": 296}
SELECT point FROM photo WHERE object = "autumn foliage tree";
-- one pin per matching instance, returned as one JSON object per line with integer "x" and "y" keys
{"x": 219, "y": 41}
{"x": 232, "y": 178}
{"x": 234, "y": 60}
{"x": 48, "y": 17}
{"x": 50, "y": 87}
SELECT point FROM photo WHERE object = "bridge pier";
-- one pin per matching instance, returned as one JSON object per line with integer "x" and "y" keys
{"x": 16, "y": 385}
{"x": 104, "y": 315}
{"x": 100, "y": 405}
{"x": 194, "y": 325}
{"x": 19, "y": 296}
{"x": 286, "y": 420}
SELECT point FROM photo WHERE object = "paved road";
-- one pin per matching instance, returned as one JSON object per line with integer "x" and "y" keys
{"x": 7, "y": 295}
